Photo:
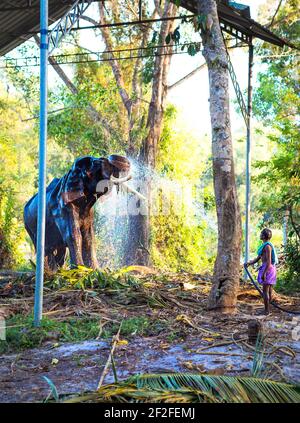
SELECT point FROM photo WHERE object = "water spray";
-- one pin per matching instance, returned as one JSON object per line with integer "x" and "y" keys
{"x": 133, "y": 191}
{"x": 122, "y": 182}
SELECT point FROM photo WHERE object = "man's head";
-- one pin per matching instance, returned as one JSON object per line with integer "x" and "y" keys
{"x": 266, "y": 234}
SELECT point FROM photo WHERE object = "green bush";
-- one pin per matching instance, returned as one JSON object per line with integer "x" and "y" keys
{"x": 185, "y": 215}
{"x": 21, "y": 334}
{"x": 289, "y": 277}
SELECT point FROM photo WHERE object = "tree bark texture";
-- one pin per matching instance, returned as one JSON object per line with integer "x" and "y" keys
{"x": 159, "y": 92}
{"x": 223, "y": 294}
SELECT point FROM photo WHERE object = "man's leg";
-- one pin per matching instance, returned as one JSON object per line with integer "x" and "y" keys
{"x": 270, "y": 293}
{"x": 266, "y": 298}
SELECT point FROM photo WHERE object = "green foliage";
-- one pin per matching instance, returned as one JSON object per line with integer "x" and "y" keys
{"x": 74, "y": 127}
{"x": 289, "y": 277}
{"x": 258, "y": 358}
{"x": 185, "y": 34}
{"x": 179, "y": 228}
{"x": 138, "y": 325}
{"x": 21, "y": 334}
{"x": 148, "y": 65}
{"x": 85, "y": 278}
{"x": 53, "y": 391}
{"x": 173, "y": 36}
{"x": 16, "y": 176}
{"x": 7, "y": 229}
{"x": 277, "y": 102}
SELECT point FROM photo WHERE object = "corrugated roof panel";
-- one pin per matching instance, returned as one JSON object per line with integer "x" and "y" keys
{"x": 18, "y": 21}
{"x": 239, "y": 20}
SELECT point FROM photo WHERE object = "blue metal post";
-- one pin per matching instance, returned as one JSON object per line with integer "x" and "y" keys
{"x": 38, "y": 297}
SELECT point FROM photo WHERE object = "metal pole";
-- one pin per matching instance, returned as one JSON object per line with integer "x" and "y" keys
{"x": 38, "y": 296}
{"x": 248, "y": 155}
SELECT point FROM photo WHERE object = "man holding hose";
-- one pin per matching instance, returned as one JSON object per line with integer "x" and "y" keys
{"x": 267, "y": 271}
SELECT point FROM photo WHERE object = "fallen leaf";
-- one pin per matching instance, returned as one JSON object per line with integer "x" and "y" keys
{"x": 122, "y": 342}
{"x": 164, "y": 346}
{"x": 187, "y": 286}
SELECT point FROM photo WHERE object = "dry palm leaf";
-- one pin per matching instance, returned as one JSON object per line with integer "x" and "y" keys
{"x": 189, "y": 387}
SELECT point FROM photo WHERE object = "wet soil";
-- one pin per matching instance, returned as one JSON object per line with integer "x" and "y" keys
{"x": 75, "y": 368}
{"x": 203, "y": 341}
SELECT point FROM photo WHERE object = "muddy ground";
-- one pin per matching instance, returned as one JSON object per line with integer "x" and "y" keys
{"x": 203, "y": 341}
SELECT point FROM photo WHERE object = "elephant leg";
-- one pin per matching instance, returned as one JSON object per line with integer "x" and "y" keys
{"x": 74, "y": 243}
{"x": 88, "y": 241}
{"x": 88, "y": 247}
{"x": 70, "y": 231}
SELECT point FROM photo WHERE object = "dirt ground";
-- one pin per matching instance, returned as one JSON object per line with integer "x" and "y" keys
{"x": 203, "y": 341}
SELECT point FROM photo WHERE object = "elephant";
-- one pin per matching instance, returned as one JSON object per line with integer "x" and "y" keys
{"x": 69, "y": 209}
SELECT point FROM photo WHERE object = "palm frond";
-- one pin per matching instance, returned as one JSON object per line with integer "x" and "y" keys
{"x": 188, "y": 388}
{"x": 84, "y": 278}
{"x": 258, "y": 358}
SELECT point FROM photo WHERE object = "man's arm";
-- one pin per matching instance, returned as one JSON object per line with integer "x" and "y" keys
{"x": 253, "y": 261}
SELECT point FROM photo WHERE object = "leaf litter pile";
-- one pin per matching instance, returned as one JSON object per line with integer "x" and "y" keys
{"x": 160, "y": 313}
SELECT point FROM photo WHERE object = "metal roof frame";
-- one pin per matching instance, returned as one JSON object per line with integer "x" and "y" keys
{"x": 236, "y": 19}
{"x": 20, "y": 22}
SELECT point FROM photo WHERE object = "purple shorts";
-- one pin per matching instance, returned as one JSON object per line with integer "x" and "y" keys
{"x": 270, "y": 278}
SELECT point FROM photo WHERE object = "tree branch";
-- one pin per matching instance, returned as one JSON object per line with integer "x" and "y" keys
{"x": 159, "y": 91}
{"x": 91, "y": 20}
{"x": 158, "y": 7}
{"x": 295, "y": 227}
{"x": 114, "y": 63}
{"x": 137, "y": 66}
{"x": 275, "y": 14}
{"x": 94, "y": 114}
{"x": 186, "y": 77}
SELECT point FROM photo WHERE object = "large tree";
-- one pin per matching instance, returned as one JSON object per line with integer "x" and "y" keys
{"x": 226, "y": 270}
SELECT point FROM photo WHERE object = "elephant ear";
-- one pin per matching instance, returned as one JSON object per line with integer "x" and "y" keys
{"x": 73, "y": 186}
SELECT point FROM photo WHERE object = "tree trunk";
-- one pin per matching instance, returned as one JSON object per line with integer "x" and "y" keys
{"x": 159, "y": 92}
{"x": 138, "y": 247}
{"x": 226, "y": 270}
